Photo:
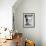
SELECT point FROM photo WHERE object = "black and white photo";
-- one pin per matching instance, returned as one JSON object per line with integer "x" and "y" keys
{"x": 29, "y": 20}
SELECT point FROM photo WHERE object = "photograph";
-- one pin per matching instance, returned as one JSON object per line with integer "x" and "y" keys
{"x": 29, "y": 20}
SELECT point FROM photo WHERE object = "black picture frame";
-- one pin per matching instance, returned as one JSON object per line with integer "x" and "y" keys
{"x": 28, "y": 20}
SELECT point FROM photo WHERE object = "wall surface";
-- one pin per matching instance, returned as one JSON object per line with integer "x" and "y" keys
{"x": 28, "y": 6}
{"x": 6, "y": 13}
{"x": 43, "y": 22}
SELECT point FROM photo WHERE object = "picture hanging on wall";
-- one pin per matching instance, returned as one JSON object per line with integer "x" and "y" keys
{"x": 29, "y": 20}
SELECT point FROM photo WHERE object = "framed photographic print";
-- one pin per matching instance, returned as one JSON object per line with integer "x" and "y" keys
{"x": 29, "y": 20}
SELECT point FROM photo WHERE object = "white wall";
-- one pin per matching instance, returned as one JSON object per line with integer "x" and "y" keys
{"x": 28, "y": 6}
{"x": 43, "y": 22}
{"x": 6, "y": 13}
